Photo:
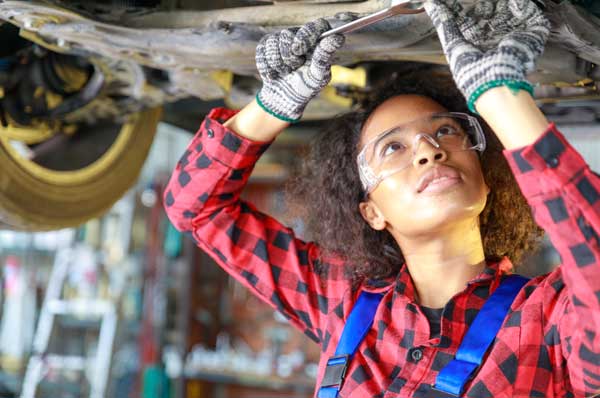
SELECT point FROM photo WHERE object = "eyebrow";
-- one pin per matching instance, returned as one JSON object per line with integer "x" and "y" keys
{"x": 399, "y": 126}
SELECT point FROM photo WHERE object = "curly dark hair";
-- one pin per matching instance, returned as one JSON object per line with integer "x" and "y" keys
{"x": 329, "y": 188}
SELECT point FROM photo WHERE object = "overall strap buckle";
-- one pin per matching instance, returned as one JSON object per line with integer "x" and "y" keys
{"x": 357, "y": 326}
{"x": 335, "y": 371}
{"x": 435, "y": 393}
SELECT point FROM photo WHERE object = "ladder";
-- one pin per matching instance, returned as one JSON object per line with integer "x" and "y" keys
{"x": 41, "y": 361}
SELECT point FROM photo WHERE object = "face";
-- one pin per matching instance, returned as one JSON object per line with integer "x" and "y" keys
{"x": 437, "y": 189}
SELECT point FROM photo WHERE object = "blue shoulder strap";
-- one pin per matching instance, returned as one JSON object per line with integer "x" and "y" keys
{"x": 358, "y": 324}
{"x": 451, "y": 379}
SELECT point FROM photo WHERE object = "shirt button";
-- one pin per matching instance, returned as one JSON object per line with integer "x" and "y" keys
{"x": 210, "y": 133}
{"x": 552, "y": 162}
{"x": 416, "y": 354}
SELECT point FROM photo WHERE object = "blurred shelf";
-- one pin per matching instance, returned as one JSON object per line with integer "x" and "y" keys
{"x": 250, "y": 380}
{"x": 73, "y": 322}
{"x": 10, "y": 386}
{"x": 9, "y": 383}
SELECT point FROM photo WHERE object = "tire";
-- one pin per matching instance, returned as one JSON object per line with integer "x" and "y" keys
{"x": 38, "y": 198}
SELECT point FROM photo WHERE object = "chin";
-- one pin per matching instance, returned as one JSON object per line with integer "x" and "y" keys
{"x": 442, "y": 212}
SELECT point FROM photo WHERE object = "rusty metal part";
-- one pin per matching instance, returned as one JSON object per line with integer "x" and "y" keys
{"x": 127, "y": 90}
{"x": 190, "y": 46}
{"x": 218, "y": 44}
{"x": 575, "y": 30}
{"x": 280, "y": 14}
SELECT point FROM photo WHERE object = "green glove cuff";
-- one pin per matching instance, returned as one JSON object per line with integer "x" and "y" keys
{"x": 513, "y": 85}
{"x": 270, "y": 112}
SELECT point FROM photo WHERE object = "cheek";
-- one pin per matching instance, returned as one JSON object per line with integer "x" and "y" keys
{"x": 407, "y": 210}
{"x": 393, "y": 193}
{"x": 398, "y": 203}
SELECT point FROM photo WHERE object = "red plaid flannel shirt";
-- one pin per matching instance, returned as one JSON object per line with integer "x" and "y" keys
{"x": 548, "y": 346}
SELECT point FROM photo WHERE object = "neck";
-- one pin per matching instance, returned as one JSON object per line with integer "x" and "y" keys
{"x": 441, "y": 265}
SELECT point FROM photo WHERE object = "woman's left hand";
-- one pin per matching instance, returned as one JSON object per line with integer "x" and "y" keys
{"x": 496, "y": 44}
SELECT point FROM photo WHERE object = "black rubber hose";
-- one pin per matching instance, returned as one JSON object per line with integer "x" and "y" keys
{"x": 21, "y": 94}
{"x": 84, "y": 96}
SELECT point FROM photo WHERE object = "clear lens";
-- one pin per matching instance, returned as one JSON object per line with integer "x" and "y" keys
{"x": 394, "y": 149}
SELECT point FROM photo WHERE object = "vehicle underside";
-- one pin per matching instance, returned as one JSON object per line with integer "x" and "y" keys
{"x": 82, "y": 82}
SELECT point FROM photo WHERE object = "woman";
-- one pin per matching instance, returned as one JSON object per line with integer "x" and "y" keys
{"x": 426, "y": 241}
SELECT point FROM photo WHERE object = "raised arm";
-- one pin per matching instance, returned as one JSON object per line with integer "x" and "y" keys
{"x": 489, "y": 59}
{"x": 514, "y": 116}
{"x": 203, "y": 194}
{"x": 254, "y": 124}
{"x": 564, "y": 195}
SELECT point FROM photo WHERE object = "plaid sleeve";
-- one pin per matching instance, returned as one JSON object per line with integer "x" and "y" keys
{"x": 564, "y": 195}
{"x": 203, "y": 198}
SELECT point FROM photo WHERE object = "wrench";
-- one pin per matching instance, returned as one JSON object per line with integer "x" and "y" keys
{"x": 397, "y": 7}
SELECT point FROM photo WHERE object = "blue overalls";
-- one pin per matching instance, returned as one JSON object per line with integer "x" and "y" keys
{"x": 451, "y": 380}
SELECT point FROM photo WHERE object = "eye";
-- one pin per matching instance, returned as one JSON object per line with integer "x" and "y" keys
{"x": 447, "y": 130}
{"x": 391, "y": 147}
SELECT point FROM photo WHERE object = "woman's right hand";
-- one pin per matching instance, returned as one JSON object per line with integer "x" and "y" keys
{"x": 294, "y": 64}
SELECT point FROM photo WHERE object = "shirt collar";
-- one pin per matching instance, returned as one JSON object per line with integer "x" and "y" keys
{"x": 403, "y": 284}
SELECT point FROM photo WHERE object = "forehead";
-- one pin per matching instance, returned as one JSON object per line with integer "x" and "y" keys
{"x": 398, "y": 110}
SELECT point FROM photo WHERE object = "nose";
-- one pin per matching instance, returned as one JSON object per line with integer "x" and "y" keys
{"x": 431, "y": 151}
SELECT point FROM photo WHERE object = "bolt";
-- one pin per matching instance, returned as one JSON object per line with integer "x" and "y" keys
{"x": 347, "y": 16}
{"x": 28, "y": 23}
{"x": 163, "y": 59}
{"x": 82, "y": 28}
{"x": 224, "y": 26}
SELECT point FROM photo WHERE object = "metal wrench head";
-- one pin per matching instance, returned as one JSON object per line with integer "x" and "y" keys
{"x": 408, "y": 5}
{"x": 396, "y": 7}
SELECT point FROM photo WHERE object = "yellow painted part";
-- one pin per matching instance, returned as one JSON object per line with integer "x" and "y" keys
{"x": 53, "y": 99}
{"x": 27, "y": 135}
{"x": 224, "y": 78}
{"x": 66, "y": 178}
{"x": 39, "y": 91}
{"x": 581, "y": 83}
{"x": 584, "y": 82}
{"x": 12, "y": 363}
{"x": 69, "y": 129}
{"x": 332, "y": 96}
{"x": 33, "y": 202}
{"x": 34, "y": 37}
{"x": 74, "y": 78}
{"x": 354, "y": 77}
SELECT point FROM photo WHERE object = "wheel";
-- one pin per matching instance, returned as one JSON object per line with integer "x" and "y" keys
{"x": 71, "y": 178}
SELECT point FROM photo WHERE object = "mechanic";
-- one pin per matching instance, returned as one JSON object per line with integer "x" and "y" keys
{"x": 409, "y": 208}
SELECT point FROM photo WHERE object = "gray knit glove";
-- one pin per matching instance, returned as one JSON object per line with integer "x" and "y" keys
{"x": 294, "y": 66}
{"x": 494, "y": 44}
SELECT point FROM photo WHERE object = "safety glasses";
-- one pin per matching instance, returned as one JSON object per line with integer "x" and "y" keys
{"x": 394, "y": 150}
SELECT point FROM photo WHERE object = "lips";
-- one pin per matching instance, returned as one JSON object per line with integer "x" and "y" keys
{"x": 437, "y": 175}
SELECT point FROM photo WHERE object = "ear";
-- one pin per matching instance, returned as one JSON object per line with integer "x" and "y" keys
{"x": 372, "y": 215}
